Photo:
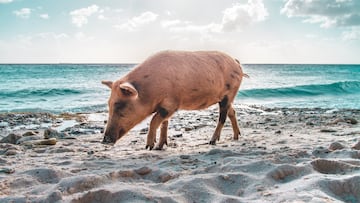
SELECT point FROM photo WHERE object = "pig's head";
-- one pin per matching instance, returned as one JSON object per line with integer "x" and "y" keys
{"x": 124, "y": 111}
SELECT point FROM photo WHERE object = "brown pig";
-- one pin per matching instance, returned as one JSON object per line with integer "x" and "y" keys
{"x": 169, "y": 81}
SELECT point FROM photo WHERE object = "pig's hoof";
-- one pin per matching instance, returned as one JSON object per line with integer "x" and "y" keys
{"x": 158, "y": 148}
{"x": 150, "y": 147}
{"x": 212, "y": 142}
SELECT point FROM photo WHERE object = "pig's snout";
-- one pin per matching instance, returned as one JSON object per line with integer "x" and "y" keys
{"x": 111, "y": 136}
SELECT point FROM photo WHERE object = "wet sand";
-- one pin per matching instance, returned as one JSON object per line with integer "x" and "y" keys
{"x": 283, "y": 155}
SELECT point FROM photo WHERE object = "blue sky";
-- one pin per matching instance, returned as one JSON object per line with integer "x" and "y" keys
{"x": 127, "y": 31}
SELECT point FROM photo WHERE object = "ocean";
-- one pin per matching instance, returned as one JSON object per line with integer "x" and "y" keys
{"x": 58, "y": 88}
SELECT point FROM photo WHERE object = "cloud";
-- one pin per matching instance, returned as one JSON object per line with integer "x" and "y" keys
{"x": 242, "y": 15}
{"x": 44, "y": 16}
{"x": 23, "y": 13}
{"x": 133, "y": 23}
{"x": 351, "y": 35}
{"x": 80, "y": 16}
{"x": 234, "y": 19}
{"x": 327, "y": 13}
{"x": 5, "y": 1}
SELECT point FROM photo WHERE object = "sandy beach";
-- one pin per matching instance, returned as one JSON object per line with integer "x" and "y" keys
{"x": 283, "y": 155}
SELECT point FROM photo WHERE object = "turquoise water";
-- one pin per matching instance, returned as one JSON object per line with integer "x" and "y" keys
{"x": 77, "y": 87}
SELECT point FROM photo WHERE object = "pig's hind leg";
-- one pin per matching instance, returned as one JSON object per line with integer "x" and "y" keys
{"x": 224, "y": 105}
{"x": 234, "y": 123}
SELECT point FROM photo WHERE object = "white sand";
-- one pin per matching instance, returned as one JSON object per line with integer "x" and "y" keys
{"x": 283, "y": 155}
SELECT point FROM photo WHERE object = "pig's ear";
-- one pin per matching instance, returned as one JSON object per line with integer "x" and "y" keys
{"x": 128, "y": 90}
{"x": 107, "y": 83}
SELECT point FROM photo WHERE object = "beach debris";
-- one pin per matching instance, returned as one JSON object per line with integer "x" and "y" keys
{"x": 7, "y": 170}
{"x": 51, "y": 133}
{"x": 12, "y": 138}
{"x": 144, "y": 131}
{"x": 336, "y": 146}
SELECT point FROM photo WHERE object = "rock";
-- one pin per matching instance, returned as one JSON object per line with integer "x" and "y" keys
{"x": 4, "y": 124}
{"x": 27, "y": 139}
{"x": 336, "y": 146}
{"x": 188, "y": 128}
{"x": 278, "y": 132}
{"x": 357, "y": 146}
{"x": 144, "y": 131}
{"x": 352, "y": 121}
{"x": 326, "y": 130}
{"x": 143, "y": 170}
{"x": 11, "y": 138}
{"x": 178, "y": 135}
{"x": 29, "y": 133}
{"x": 51, "y": 133}
{"x": 7, "y": 170}
{"x": 10, "y": 152}
{"x": 51, "y": 141}
{"x": 184, "y": 156}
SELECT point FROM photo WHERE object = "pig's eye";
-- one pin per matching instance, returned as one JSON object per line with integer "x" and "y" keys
{"x": 120, "y": 105}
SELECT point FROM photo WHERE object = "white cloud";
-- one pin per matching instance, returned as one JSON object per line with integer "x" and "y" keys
{"x": 168, "y": 23}
{"x": 23, "y": 13}
{"x": 351, "y": 35}
{"x": 327, "y": 13}
{"x": 80, "y": 16}
{"x": 242, "y": 15}
{"x": 44, "y": 16}
{"x": 133, "y": 23}
{"x": 5, "y": 1}
{"x": 234, "y": 19}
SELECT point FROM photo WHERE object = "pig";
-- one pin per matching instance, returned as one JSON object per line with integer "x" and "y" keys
{"x": 169, "y": 81}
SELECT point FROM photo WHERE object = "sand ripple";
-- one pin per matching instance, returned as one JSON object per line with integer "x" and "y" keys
{"x": 333, "y": 166}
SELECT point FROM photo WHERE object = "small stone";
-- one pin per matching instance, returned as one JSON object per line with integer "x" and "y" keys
{"x": 27, "y": 139}
{"x": 7, "y": 170}
{"x": 143, "y": 170}
{"x": 51, "y": 133}
{"x": 144, "y": 131}
{"x": 90, "y": 152}
{"x": 357, "y": 146}
{"x": 178, "y": 135}
{"x": 51, "y": 141}
{"x": 188, "y": 128}
{"x": 11, "y": 138}
{"x": 327, "y": 130}
{"x": 165, "y": 177}
{"x": 10, "y": 152}
{"x": 336, "y": 146}
{"x": 29, "y": 133}
{"x": 278, "y": 132}
{"x": 184, "y": 156}
{"x": 4, "y": 124}
{"x": 352, "y": 121}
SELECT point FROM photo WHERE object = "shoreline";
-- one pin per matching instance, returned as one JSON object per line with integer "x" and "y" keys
{"x": 283, "y": 155}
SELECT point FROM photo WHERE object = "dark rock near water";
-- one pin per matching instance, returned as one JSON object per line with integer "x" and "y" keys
{"x": 30, "y": 133}
{"x": 11, "y": 138}
{"x": 51, "y": 133}
{"x": 336, "y": 146}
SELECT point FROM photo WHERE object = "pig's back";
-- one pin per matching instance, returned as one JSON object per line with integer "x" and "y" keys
{"x": 194, "y": 79}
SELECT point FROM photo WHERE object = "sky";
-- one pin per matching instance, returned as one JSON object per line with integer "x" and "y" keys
{"x": 128, "y": 31}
